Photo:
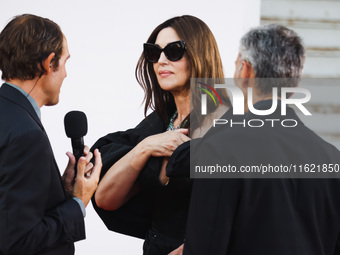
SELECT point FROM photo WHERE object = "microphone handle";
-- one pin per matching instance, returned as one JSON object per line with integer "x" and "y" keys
{"x": 78, "y": 150}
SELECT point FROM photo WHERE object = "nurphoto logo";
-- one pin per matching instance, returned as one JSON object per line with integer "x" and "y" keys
{"x": 238, "y": 101}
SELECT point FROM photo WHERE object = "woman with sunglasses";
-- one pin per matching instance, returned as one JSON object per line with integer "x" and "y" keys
{"x": 135, "y": 196}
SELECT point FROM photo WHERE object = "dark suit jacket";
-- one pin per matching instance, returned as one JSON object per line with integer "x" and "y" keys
{"x": 265, "y": 216}
{"x": 36, "y": 215}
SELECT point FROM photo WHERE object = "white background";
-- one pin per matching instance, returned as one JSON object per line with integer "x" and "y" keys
{"x": 105, "y": 41}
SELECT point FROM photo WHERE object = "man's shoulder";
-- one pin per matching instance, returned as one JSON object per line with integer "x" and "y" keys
{"x": 15, "y": 120}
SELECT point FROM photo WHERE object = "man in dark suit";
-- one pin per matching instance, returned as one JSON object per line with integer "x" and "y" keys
{"x": 249, "y": 213}
{"x": 40, "y": 211}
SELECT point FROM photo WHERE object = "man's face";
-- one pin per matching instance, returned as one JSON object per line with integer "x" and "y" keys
{"x": 52, "y": 86}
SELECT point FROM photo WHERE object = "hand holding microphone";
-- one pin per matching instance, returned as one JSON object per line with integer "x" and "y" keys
{"x": 75, "y": 181}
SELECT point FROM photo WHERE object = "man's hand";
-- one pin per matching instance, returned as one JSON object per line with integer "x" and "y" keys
{"x": 87, "y": 180}
{"x": 69, "y": 173}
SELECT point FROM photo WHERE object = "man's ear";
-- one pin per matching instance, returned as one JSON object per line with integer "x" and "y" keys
{"x": 247, "y": 73}
{"x": 247, "y": 70}
{"x": 48, "y": 63}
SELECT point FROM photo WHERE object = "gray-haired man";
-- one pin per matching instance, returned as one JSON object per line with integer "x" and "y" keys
{"x": 265, "y": 215}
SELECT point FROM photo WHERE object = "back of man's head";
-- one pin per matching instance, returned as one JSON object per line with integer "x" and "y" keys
{"x": 273, "y": 51}
{"x": 25, "y": 42}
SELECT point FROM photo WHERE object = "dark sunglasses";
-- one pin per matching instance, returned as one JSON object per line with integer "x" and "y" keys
{"x": 173, "y": 51}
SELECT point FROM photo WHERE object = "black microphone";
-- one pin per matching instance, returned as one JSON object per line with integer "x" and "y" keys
{"x": 75, "y": 128}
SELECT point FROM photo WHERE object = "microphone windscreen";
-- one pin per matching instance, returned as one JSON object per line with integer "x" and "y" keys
{"x": 75, "y": 124}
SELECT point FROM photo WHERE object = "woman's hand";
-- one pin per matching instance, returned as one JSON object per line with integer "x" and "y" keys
{"x": 164, "y": 144}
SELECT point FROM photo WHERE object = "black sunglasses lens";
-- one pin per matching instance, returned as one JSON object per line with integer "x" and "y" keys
{"x": 152, "y": 53}
{"x": 174, "y": 51}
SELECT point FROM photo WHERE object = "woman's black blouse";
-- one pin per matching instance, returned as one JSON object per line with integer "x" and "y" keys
{"x": 160, "y": 208}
